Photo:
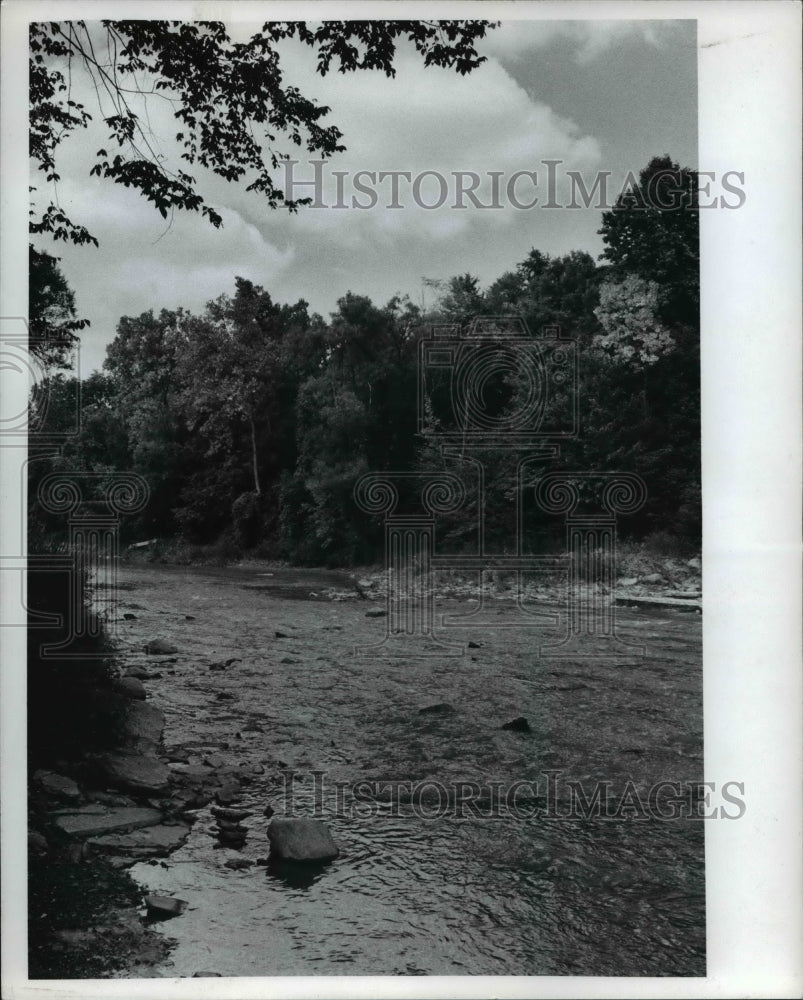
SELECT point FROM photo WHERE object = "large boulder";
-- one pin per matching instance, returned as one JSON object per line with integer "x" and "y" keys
{"x": 301, "y": 840}
{"x": 134, "y": 773}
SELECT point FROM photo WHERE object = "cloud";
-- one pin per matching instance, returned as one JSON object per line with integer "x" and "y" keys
{"x": 426, "y": 119}
{"x": 588, "y": 39}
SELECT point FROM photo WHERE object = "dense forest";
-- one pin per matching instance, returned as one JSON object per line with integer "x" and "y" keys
{"x": 252, "y": 422}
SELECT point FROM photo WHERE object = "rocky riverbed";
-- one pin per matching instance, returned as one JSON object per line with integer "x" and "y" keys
{"x": 245, "y": 699}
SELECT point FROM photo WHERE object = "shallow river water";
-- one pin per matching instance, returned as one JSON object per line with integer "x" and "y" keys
{"x": 430, "y": 886}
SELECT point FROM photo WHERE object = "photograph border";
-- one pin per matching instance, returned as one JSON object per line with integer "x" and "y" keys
{"x": 749, "y": 73}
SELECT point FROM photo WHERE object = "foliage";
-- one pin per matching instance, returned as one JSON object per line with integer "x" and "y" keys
{"x": 253, "y": 420}
{"x": 232, "y": 109}
{"x": 52, "y": 323}
{"x": 653, "y": 232}
{"x": 549, "y": 291}
{"x": 628, "y": 315}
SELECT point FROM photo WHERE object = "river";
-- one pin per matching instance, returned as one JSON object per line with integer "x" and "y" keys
{"x": 501, "y": 886}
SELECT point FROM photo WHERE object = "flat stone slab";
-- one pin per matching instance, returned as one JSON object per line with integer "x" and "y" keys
{"x": 639, "y": 601}
{"x": 152, "y": 841}
{"x": 92, "y": 821}
{"x": 134, "y": 773}
{"x": 301, "y": 840}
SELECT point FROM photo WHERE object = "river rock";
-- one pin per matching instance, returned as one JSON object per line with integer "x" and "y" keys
{"x": 129, "y": 617}
{"x": 653, "y": 578}
{"x": 132, "y": 687}
{"x": 694, "y": 563}
{"x": 214, "y": 760}
{"x": 231, "y": 838}
{"x": 231, "y": 815}
{"x": 629, "y": 581}
{"x": 518, "y": 725}
{"x": 142, "y": 726}
{"x": 164, "y": 907}
{"x": 97, "y": 820}
{"x": 237, "y": 864}
{"x": 474, "y": 645}
{"x": 301, "y": 840}
{"x": 160, "y": 647}
{"x": 228, "y": 793}
{"x": 57, "y": 785}
{"x": 231, "y": 826}
{"x": 441, "y": 708}
{"x": 376, "y": 613}
{"x": 141, "y": 673}
{"x": 110, "y": 799}
{"x": 135, "y": 773}
{"x": 147, "y": 842}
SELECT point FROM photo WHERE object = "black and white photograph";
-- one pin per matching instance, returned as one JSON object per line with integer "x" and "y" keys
{"x": 383, "y": 384}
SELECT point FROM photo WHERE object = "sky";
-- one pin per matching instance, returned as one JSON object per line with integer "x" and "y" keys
{"x": 594, "y": 95}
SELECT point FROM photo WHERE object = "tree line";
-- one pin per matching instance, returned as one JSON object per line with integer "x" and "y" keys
{"x": 252, "y": 420}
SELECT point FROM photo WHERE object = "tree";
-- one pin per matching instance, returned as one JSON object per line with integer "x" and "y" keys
{"x": 653, "y": 232}
{"x": 234, "y": 404}
{"x": 628, "y": 315}
{"x": 545, "y": 290}
{"x": 52, "y": 323}
{"x": 142, "y": 361}
{"x": 462, "y": 300}
{"x": 228, "y": 98}
{"x": 355, "y": 413}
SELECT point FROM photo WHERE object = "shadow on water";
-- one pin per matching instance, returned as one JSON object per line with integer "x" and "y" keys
{"x": 297, "y": 874}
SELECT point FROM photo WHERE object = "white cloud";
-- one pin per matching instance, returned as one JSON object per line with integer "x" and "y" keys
{"x": 427, "y": 120}
{"x": 589, "y": 39}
